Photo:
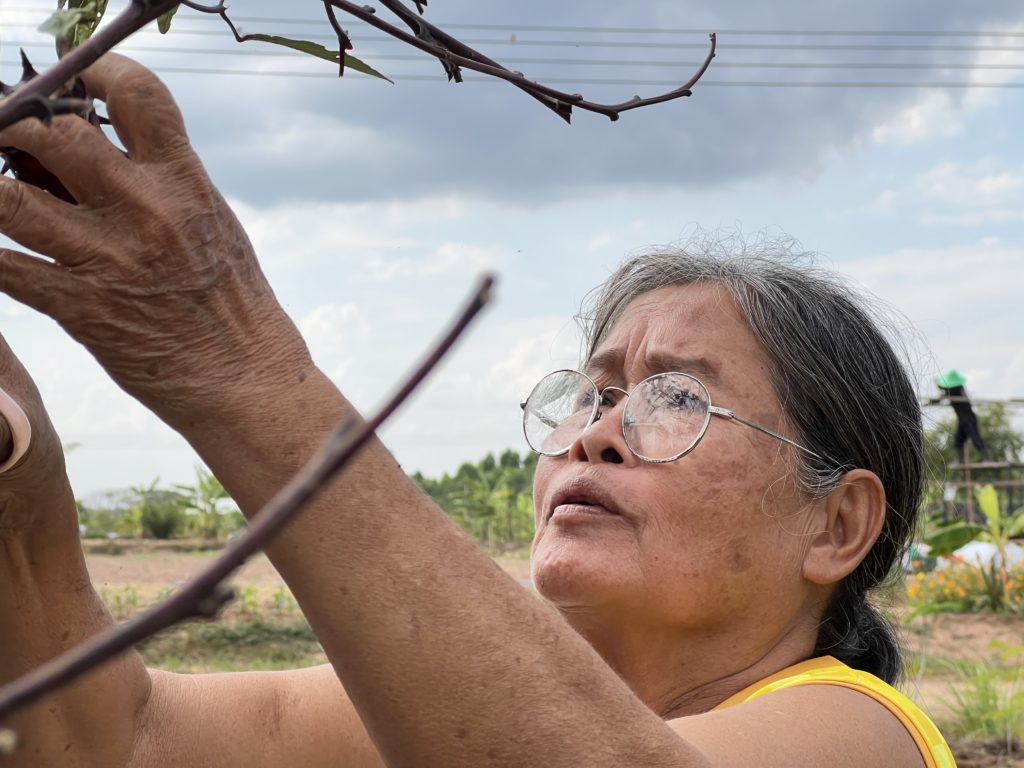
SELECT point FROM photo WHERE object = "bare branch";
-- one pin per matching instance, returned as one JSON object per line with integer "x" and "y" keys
{"x": 204, "y": 595}
{"x": 453, "y": 54}
{"x": 344, "y": 43}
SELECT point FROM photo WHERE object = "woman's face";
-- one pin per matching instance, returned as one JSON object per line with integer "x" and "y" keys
{"x": 711, "y": 540}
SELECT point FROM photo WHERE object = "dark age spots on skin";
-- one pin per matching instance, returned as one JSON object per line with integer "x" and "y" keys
{"x": 153, "y": 369}
{"x": 461, "y": 733}
{"x": 739, "y": 560}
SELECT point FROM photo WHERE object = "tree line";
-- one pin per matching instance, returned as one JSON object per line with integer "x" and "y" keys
{"x": 491, "y": 499}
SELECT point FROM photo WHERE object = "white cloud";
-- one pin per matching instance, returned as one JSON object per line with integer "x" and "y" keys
{"x": 938, "y": 113}
{"x": 964, "y": 301}
{"x": 531, "y": 356}
{"x": 448, "y": 258}
{"x": 330, "y": 327}
{"x": 986, "y": 183}
{"x": 307, "y": 141}
{"x": 934, "y": 114}
{"x": 297, "y": 234}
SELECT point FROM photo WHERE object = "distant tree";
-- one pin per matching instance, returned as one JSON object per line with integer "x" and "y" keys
{"x": 491, "y": 499}
{"x": 210, "y": 510}
{"x": 160, "y": 512}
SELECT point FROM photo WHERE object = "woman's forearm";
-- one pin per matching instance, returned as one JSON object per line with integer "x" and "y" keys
{"x": 448, "y": 660}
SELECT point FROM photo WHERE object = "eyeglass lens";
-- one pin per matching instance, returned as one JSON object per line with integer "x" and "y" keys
{"x": 663, "y": 417}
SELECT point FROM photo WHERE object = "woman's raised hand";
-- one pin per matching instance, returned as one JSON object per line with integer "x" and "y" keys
{"x": 151, "y": 271}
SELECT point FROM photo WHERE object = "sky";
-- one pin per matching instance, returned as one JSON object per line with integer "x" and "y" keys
{"x": 884, "y": 137}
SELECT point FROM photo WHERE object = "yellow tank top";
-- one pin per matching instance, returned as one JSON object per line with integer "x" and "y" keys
{"x": 827, "y": 670}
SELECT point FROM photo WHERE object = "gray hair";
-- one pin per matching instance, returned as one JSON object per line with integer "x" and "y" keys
{"x": 841, "y": 386}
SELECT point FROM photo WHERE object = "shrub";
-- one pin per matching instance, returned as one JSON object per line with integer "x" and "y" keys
{"x": 965, "y": 588}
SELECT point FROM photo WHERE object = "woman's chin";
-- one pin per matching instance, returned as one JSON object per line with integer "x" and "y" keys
{"x": 572, "y": 574}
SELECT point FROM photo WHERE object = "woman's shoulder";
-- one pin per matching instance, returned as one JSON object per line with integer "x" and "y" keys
{"x": 825, "y": 681}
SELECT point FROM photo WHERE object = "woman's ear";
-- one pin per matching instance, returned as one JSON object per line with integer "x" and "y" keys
{"x": 854, "y": 513}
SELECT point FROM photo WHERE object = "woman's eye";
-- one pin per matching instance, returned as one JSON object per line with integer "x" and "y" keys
{"x": 683, "y": 400}
{"x": 584, "y": 399}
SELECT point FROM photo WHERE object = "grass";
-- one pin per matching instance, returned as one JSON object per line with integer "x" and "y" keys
{"x": 235, "y": 645}
{"x": 977, "y": 702}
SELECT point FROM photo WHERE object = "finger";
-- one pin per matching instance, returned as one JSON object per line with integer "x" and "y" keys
{"x": 42, "y": 223}
{"x": 141, "y": 108}
{"x": 43, "y": 286}
{"x": 73, "y": 150}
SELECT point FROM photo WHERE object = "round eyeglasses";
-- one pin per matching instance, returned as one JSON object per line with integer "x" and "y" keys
{"x": 663, "y": 418}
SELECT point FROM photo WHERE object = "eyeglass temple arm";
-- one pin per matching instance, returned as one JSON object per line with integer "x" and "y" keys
{"x": 725, "y": 412}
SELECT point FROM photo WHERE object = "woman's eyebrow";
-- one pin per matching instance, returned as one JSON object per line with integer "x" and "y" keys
{"x": 656, "y": 362}
{"x": 700, "y": 367}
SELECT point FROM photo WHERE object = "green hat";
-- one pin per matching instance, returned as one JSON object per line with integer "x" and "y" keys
{"x": 951, "y": 380}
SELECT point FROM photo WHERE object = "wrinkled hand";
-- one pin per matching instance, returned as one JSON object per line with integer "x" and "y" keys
{"x": 35, "y": 487}
{"x": 151, "y": 271}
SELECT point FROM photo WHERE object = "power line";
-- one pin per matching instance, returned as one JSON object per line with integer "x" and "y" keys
{"x": 797, "y": 65}
{"x": 626, "y": 30}
{"x": 618, "y": 44}
{"x": 599, "y": 81}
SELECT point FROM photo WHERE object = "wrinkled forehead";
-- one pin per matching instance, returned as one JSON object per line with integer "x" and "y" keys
{"x": 695, "y": 328}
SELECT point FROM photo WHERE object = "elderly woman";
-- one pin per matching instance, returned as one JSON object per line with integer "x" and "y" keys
{"x": 735, "y": 467}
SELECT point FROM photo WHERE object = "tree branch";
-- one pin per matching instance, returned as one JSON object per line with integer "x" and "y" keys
{"x": 205, "y": 594}
{"x": 453, "y": 54}
{"x": 133, "y": 18}
{"x": 28, "y": 99}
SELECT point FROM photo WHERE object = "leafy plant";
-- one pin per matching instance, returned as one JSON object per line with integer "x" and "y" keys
{"x": 989, "y": 700}
{"x": 208, "y": 505}
{"x": 249, "y": 600}
{"x": 1000, "y": 527}
{"x": 965, "y": 588}
{"x": 491, "y": 500}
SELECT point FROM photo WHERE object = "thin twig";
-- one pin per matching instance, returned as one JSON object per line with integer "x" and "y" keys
{"x": 204, "y": 595}
{"x": 453, "y": 53}
{"x": 344, "y": 42}
{"x": 130, "y": 20}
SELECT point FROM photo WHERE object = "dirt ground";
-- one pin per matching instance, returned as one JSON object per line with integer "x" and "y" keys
{"x": 151, "y": 564}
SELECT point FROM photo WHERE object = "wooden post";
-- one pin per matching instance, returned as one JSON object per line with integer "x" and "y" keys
{"x": 970, "y": 484}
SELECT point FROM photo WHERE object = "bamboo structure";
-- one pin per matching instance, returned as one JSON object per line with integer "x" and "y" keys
{"x": 1011, "y": 473}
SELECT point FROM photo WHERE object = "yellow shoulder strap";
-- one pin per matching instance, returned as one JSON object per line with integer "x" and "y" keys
{"x": 826, "y": 670}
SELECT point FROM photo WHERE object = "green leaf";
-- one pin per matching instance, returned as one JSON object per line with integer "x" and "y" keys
{"x": 62, "y": 22}
{"x": 75, "y": 23}
{"x": 951, "y": 537}
{"x": 988, "y": 502}
{"x": 1015, "y": 526}
{"x": 315, "y": 49}
{"x": 164, "y": 22}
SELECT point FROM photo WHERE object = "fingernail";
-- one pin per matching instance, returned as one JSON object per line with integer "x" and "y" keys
{"x": 19, "y": 432}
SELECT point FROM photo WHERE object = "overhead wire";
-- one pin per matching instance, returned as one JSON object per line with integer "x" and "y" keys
{"x": 283, "y": 53}
{"x": 512, "y": 40}
{"x": 584, "y": 29}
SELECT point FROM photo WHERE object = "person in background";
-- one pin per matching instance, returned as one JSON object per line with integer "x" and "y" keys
{"x": 952, "y": 386}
